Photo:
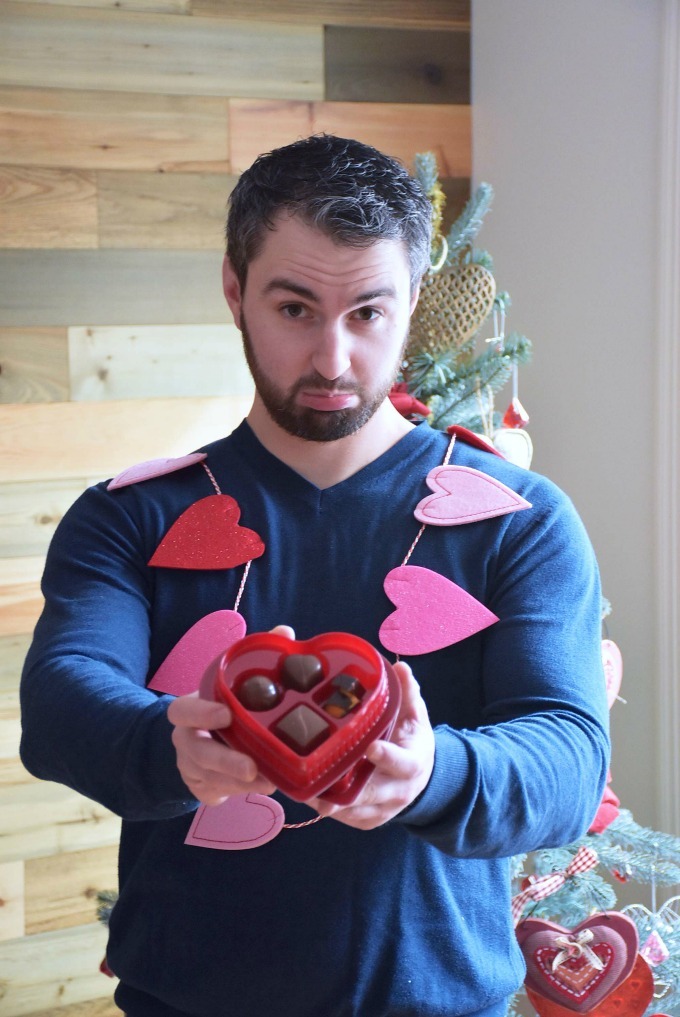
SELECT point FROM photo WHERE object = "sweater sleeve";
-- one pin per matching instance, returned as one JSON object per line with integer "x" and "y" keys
{"x": 87, "y": 719}
{"x": 532, "y": 773}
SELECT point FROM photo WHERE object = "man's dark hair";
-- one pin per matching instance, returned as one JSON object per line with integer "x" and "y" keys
{"x": 353, "y": 193}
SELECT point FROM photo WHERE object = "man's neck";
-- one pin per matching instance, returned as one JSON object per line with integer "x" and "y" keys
{"x": 326, "y": 463}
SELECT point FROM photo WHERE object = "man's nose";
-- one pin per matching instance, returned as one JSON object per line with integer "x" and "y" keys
{"x": 331, "y": 356}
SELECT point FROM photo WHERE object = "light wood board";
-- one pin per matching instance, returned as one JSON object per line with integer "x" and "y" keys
{"x": 46, "y": 46}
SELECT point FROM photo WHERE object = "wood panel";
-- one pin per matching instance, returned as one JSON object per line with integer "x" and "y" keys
{"x": 146, "y": 6}
{"x": 400, "y": 129}
{"x": 47, "y": 207}
{"x": 20, "y": 598}
{"x": 33, "y": 365}
{"x": 14, "y": 650}
{"x": 39, "y": 819}
{"x": 397, "y": 65}
{"x": 401, "y": 13}
{"x": 181, "y": 211}
{"x": 67, "y": 47}
{"x": 30, "y": 512}
{"x": 157, "y": 361}
{"x": 61, "y": 890}
{"x": 53, "y": 969}
{"x": 11, "y": 902}
{"x": 52, "y": 288}
{"x": 90, "y": 1008}
{"x": 112, "y": 131}
{"x": 67, "y": 440}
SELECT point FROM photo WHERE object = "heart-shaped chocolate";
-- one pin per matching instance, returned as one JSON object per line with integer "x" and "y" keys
{"x": 578, "y": 968}
{"x": 323, "y": 702}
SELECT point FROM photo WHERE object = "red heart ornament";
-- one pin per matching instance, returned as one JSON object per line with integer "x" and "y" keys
{"x": 242, "y": 822}
{"x": 207, "y": 536}
{"x": 432, "y": 612}
{"x": 464, "y": 495}
{"x": 182, "y": 670}
{"x": 298, "y": 739}
{"x": 630, "y": 999}
{"x": 578, "y": 968}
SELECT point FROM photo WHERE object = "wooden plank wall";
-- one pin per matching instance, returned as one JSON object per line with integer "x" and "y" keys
{"x": 123, "y": 126}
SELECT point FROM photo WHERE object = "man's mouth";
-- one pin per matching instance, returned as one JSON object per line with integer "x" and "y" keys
{"x": 317, "y": 399}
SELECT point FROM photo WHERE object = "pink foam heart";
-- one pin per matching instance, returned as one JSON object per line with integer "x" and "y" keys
{"x": 153, "y": 468}
{"x": 463, "y": 495}
{"x": 432, "y": 612}
{"x": 208, "y": 535}
{"x": 242, "y": 822}
{"x": 612, "y": 661}
{"x": 182, "y": 670}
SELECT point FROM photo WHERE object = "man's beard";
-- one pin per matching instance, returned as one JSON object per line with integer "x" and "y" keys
{"x": 304, "y": 421}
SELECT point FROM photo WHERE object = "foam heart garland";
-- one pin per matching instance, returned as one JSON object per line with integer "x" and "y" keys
{"x": 464, "y": 495}
{"x": 432, "y": 612}
{"x": 153, "y": 468}
{"x": 334, "y": 763}
{"x": 630, "y": 999}
{"x": 241, "y": 822}
{"x": 181, "y": 672}
{"x": 208, "y": 536}
{"x": 612, "y": 661}
{"x": 578, "y": 968}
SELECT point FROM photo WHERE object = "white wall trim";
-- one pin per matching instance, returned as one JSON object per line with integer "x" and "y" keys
{"x": 668, "y": 427}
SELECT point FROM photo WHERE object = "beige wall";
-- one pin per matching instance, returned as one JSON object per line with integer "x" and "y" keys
{"x": 566, "y": 101}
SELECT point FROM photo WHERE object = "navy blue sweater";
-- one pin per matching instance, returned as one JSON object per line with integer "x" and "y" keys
{"x": 412, "y": 918}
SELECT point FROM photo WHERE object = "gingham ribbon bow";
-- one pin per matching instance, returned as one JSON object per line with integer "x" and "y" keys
{"x": 577, "y": 946}
{"x": 583, "y": 860}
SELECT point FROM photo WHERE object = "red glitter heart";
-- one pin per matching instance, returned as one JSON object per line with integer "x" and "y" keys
{"x": 207, "y": 536}
{"x": 334, "y": 765}
{"x": 630, "y": 999}
{"x": 568, "y": 974}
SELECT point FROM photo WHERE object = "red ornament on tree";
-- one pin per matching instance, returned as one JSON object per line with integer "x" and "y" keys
{"x": 515, "y": 415}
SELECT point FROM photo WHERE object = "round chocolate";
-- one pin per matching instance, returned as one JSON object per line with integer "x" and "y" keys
{"x": 258, "y": 692}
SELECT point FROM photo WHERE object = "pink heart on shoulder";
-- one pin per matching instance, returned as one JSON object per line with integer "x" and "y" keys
{"x": 153, "y": 468}
{"x": 182, "y": 670}
{"x": 242, "y": 822}
{"x": 432, "y": 612}
{"x": 464, "y": 495}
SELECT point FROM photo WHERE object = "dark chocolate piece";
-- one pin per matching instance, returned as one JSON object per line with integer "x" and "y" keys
{"x": 301, "y": 671}
{"x": 349, "y": 685}
{"x": 258, "y": 692}
{"x": 302, "y": 729}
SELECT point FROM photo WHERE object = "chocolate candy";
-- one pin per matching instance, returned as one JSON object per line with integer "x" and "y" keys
{"x": 258, "y": 692}
{"x": 348, "y": 693}
{"x": 301, "y": 671}
{"x": 302, "y": 729}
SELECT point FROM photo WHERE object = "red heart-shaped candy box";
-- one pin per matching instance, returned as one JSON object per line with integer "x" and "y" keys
{"x": 333, "y": 763}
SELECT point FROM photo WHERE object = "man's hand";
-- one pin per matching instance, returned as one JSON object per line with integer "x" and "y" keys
{"x": 403, "y": 764}
{"x": 209, "y": 768}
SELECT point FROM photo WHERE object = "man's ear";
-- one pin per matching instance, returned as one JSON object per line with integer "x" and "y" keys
{"x": 414, "y": 299}
{"x": 232, "y": 290}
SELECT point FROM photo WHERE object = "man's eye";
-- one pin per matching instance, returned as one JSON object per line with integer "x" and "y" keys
{"x": 293, "y": 310}
{"x": 366, "y": 313}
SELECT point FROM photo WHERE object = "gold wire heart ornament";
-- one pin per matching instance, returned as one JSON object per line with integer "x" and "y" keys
{"x": 454, "y": 303}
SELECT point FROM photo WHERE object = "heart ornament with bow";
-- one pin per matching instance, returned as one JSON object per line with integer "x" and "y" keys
{"x": 578, "y": 968}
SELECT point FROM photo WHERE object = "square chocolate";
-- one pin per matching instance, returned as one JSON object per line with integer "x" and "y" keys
{"x": 302, "y": 729}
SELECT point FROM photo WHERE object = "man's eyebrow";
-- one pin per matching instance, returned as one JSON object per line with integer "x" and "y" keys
{"x": 290, "y": 286}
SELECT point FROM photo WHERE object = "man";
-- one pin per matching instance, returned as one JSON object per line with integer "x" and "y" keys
{"x": 397, "y": 904}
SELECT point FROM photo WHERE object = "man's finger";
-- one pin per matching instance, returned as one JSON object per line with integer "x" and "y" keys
{"x": 191, "y": 711}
